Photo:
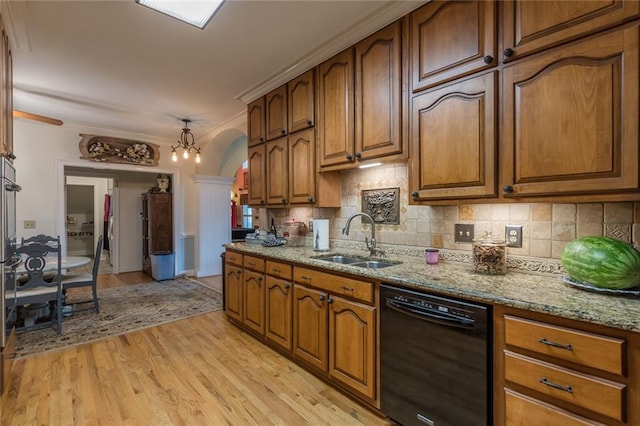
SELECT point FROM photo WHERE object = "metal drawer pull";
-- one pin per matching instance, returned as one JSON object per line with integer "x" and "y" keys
{"x": 344, "y": 287}
{"x": 556, "y": 345}
{"x": 304, "y": 277}
{"x": 251, "y": 264}
{"x": 544, "y": 381}
{"x": 276, "y": 270}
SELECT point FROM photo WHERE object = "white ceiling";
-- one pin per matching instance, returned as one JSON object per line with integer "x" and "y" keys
{"x": 121, "y": 67}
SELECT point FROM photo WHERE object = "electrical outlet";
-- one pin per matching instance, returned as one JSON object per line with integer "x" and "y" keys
{"x": 29, "y": 224}
{"x": 463, "y": 233}
{"x": 311, "y": 226}
{"x": 513, "y": 235}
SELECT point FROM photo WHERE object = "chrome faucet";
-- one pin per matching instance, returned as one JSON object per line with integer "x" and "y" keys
{"x": 371, "y": 244}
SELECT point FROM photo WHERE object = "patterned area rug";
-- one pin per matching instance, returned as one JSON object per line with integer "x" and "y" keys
{"x": 122, "y": 310}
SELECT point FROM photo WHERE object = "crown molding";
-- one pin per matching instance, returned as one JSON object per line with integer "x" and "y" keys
{"x": 382, "y": 17}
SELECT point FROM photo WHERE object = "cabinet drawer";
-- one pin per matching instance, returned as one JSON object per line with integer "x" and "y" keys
{"x": 588, "y": 349}
{"x": 335, "y": 284}
{"x": 255, "y": 263}
{"x": 233, "y": 257}
{"x": 280, "y": 270}
{"x": 524, "y": 411}
{"x": 589, "y": 392}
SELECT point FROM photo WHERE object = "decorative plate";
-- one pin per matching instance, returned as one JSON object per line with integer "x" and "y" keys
{"x": 633, "y": 291}
{"x": 274, "y": 242}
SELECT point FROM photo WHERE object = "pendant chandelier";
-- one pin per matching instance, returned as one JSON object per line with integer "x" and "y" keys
{"x": 187, "y": 143}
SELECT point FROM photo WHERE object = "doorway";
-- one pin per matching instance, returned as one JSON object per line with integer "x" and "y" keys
{"x": 89, "y": 214}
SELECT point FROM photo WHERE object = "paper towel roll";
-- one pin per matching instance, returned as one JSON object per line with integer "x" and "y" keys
{"x": 321, "y": 234}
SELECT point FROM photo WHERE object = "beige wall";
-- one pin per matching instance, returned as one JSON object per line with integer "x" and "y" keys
{"x": 547, "y": 227}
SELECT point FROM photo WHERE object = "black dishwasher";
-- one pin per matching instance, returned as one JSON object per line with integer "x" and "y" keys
{"x": 435, "y": 359}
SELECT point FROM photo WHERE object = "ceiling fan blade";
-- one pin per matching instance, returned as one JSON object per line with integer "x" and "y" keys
{"x": 36, "y": 117}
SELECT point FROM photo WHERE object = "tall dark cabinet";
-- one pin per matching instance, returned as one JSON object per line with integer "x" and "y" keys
{"x": 157, "y": 226}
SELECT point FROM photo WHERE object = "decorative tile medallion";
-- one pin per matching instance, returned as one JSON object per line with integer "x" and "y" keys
{"x": 383, "y": 205}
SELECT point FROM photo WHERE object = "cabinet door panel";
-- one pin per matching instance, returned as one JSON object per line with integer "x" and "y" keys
{"x": 257, "y": 175}
{"x": 310, "y": 326}
{"x": 253, "y": 308}
{"x": 530, "y": 26}
{"x": 278, "y": 312}
{"x": 276, "y": 115}
{"x": 570, "y": 118}
{"x": 335, "y": 110}
{"x": 302, "y": 177}
{"x": 436, "y": 55}
{"x": 256, "y": 122}
{"x": 452, "y": 160}
{"x": 524, "y": 411}
{"x": 233, "y": 291}
{"x": 301, "y": 97}
{"x": 277, "y": 172}
{"x": 352, "y": 345}
{"x": 378, "y": 96}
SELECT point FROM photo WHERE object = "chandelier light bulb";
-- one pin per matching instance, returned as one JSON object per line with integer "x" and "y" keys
{"x": 198, "y": 158}
{"x": 185, "y": 154}
{"x": 174, "y": 156}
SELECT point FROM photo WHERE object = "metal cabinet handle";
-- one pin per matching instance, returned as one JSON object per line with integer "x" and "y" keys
{"x": 330, "y": 300}
{"x": 283, "y": 131}
{"x": 287, "y": 286}
{"x": 311, "y": 199}
{"x": 358, "y": 155}
{"x": 304, "y": 277}
{"x": 508, "y": 52}
{"x": 415, "y": 194}
{"x": 488, "y": 59}
{"x": 567, "y": 346}
{"x": 284, "y": 201}
{"x": 546, "y": 382}
{"x": 276, "y": 270}
{"x": 309, "y": 122}
{"x": 344, "y": 287}
{"x": 259, "y": 278}
{"x": 508, "y": 189}
{"x": 322, "y": 297}
{"x": 349, "y": 157}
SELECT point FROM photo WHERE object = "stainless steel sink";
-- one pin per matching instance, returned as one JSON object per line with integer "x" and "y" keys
{"x": 375, "y": 264}
{"x": 337, "y": 258}
{"x": 360, "y": 262}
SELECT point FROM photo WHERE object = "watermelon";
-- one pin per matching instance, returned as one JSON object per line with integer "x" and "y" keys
{"x": 603, "y": 262}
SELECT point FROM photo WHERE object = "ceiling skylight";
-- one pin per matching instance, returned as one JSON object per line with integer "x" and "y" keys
{"x": 194, "y": 12}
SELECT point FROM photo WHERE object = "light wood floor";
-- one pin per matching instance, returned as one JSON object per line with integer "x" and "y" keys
{"x": 197, "y": 371}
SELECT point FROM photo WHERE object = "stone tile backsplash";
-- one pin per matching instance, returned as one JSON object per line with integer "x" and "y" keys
{"x": 547, "y": 227}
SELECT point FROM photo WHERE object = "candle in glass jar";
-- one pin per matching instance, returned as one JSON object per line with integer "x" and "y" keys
{"x": 431, "y": 256}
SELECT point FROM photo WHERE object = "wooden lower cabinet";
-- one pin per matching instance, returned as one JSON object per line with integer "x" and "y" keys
{"x": 310, "y": 326}
{"x": 352, "y": 345}
{"x": 555, "y": 371}
{"x": 233, "y": 291}
{"x": 278, "y": 304}
{"x": 253, "y": 309}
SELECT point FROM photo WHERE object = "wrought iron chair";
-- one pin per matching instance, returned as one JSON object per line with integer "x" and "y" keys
{"x": 86, "y": 279}
{"x": 37, "y": 257}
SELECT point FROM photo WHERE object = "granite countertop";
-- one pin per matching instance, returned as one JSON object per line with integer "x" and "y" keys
{"x": 538, "y": 292}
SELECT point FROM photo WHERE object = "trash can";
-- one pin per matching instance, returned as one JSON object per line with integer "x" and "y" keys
{"x": 162, "y": 266}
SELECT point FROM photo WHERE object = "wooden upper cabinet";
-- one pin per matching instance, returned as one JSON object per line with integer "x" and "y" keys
{"x": 530, "y": 26}
{"x": 257, "y": 175}
{"x": 6, "y": 96}
{"x": 379, "y": 94}
{"x": 571, "y": 119}
{"x": 335, "y": 110}
{"x": 277, "y": 172}
{"x": 301, "y": 102}
{"x": 256, "y": 122}
{"x": 450, "y": 39}
{"x": 454, "y": 140}
{"x": 301, "y": 173}
{"x": 276, "y": 105}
